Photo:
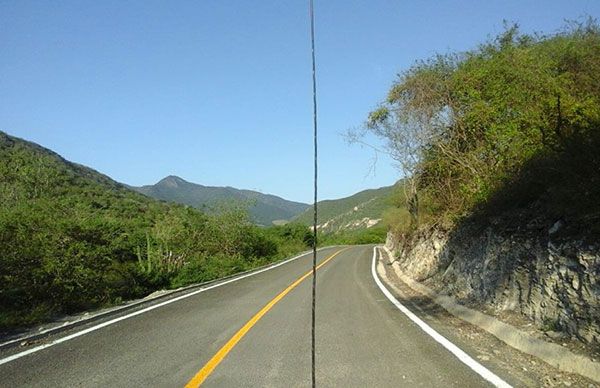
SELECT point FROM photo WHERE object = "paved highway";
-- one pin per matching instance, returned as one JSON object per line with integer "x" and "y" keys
{"x": 362, "y": 338}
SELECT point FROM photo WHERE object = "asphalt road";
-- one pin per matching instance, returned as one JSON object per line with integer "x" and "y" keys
{"x": 362, "y": 338}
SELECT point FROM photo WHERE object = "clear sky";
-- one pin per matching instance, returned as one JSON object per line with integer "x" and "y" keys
{"x": 218, "y": 92}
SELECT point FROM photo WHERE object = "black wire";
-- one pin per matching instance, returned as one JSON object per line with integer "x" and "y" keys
{"x": 314, "y": 263}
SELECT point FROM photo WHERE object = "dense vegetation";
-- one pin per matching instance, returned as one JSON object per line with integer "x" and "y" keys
{"x": 512, "y": 124}
{"x": 73, "y": 239}
{"x": 264, "y": 209}
{"x": 373, "y": 235}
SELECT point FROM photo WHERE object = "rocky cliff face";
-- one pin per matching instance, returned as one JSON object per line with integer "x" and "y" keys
{"x": 552, "y": 281}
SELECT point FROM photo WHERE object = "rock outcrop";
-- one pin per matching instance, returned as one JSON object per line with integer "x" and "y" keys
{"x": 552, "y": 281}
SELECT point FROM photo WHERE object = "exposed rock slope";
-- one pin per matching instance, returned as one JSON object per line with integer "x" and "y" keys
{"x": 538, "y": 274}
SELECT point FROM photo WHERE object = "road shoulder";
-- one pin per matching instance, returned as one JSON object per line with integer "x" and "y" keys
{"x": 486, "y": 338}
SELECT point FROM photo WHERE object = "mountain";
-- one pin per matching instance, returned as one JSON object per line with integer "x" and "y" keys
{"x": 265, "y": 209}
{"x": 359, "y": 211}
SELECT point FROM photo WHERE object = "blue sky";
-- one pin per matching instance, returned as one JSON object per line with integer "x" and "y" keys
{"x": 219, "y": 92}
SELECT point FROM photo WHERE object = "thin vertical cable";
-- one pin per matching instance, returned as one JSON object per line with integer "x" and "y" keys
{"x": 314, "y": 263}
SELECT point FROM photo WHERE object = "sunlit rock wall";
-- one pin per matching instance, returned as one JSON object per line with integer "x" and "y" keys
{"x": 551, "y": 281}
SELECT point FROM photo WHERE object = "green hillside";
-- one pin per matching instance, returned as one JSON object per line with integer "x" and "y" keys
{"x": 510, "y": 128}
{"x": 73, "y": 239}
{"x": 264, "y": 208}
{"x": 358, "y": 211}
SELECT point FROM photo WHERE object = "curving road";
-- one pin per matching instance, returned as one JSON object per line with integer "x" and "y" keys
{"x": 362, "y": 338}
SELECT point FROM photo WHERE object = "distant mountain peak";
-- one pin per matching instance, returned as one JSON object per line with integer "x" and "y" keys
{"x": 171, "y": 181}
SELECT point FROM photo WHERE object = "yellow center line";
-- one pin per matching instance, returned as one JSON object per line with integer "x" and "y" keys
{"x": 222, "y": 353}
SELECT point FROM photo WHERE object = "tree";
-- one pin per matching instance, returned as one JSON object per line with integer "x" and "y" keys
{"x": 415, "y": 114}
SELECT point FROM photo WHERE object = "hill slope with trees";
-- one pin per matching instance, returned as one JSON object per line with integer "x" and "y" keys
{"x": 358, "y": 211}
{"x": 515, "y": 121}
{"x": 73, "y": 239}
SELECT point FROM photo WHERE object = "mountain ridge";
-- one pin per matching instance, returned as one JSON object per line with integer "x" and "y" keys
{"x": 264, "y": 209}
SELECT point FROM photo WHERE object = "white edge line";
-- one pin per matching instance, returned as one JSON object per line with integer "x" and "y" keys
{"x": 112, "y": 321}
{"x": 455, "y": 350}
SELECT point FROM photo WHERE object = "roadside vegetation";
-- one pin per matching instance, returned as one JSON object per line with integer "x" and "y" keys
{"x": 72, "y": 239}
{"x": 512, "y": 124}
{"x": 373, "y": 235}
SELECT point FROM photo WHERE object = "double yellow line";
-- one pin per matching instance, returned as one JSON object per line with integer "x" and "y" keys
{"x": 222, "y": 353}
